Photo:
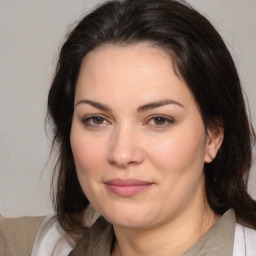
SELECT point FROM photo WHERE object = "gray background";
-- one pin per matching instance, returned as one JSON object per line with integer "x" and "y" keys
{"x": 31, "y": 32}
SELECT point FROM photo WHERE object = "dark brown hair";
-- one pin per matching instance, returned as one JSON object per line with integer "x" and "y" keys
{"x": 202, "y": 60}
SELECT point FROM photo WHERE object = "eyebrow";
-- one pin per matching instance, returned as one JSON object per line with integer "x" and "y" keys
{"x": 95, "y": 104}
{"x": 157, "y": 104}
{"x": 142, "y": 108}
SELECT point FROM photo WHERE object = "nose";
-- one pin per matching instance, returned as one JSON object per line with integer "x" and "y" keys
{"x": 125, "y": 148}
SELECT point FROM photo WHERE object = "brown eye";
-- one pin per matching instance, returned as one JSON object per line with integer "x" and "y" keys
{"x": 98, "y": 120}
{"x": 95, "y": 121}
{"x": 159, "y": 120}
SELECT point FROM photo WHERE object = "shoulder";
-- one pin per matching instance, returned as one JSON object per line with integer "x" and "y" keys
{"x": 244, "y": 241}
{"x": 51, "y": 239}
{"x": 17, "y": 235}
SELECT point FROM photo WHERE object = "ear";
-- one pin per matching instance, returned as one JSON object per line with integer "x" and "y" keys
{"x": 215, "y": 136}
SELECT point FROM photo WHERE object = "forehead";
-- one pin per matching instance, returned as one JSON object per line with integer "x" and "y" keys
{"x": 129, "y": 58}
{"x": 117, "y": 72}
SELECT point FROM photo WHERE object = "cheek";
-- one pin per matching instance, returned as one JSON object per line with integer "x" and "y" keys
{"x": 180, "y": 163}
{"x": 87, "y": 153}
{"x": 88, "y": 157}
{"x": 84, "y": 155}
{"x": 181, "y": 153}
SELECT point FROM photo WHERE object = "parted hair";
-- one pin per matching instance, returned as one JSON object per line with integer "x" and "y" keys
{"x": 203, "y": 61}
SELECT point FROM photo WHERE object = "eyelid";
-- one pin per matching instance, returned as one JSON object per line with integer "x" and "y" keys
{"x": 85, "y": 120}
{"x": 168, "y": 119}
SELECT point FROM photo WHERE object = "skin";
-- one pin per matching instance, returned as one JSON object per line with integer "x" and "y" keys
{"x": 165, "y": 144}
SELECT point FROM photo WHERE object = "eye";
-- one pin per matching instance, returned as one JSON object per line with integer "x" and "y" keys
{"x": 97, "y": 120}
{"x": 160, "y": 121}
{"x": 94, "y": 121}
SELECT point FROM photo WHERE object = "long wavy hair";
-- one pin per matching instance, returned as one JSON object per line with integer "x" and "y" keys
{"x": 200, "y": 57}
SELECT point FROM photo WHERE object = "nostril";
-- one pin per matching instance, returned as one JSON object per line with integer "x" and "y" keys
{"x": 123, "y": 164}
{"x": 122, "y": 159}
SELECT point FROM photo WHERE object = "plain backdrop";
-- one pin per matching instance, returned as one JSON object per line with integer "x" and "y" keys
{"x": 31, "y": 34}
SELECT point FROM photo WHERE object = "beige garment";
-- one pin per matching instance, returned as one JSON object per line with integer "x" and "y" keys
{"x": 17, "y": 238}
{"x": 17, "y": 235}
{"x": 218, "y": 241}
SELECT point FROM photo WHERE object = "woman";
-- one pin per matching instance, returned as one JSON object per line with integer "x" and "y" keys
{"x": 152, "y": 132}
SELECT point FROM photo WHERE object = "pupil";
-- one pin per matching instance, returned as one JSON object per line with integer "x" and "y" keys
{"x": 98, "y": 120}
{"x": 159, "y": 120}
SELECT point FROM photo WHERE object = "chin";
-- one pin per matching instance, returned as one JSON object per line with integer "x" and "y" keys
{"x": 129, "y": 222}
{"x": 128, "y": 218}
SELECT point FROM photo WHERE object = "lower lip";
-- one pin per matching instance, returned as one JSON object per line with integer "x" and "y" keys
{"x": 128, "y": 190}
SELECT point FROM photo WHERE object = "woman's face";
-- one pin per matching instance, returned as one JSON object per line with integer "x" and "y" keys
{"x": 137, "y": 136}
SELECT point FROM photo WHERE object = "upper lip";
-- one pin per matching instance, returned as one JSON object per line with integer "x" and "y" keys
{"x": 127, "y": 182}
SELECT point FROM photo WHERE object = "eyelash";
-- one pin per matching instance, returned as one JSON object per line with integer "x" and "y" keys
{"x": 166, "y": 121}
{"x": 87, "y": 119}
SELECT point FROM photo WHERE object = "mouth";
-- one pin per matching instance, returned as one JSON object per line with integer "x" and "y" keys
{"x": 127, "y": 187}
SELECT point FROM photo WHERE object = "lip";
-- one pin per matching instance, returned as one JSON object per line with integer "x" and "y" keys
{"x": 127, "y": 187}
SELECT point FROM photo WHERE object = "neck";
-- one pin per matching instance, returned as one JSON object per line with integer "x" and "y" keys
{"x": 177, "y": 236}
